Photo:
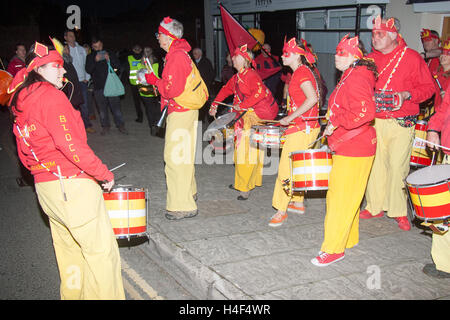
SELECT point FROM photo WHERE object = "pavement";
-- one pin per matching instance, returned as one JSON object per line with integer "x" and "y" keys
{"x": 228, "y": 251}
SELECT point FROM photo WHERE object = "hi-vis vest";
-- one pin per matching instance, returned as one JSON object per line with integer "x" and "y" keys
{"x": 135, "y": 65}
{"x": 149, "y": 91}
{"x": 195, "y": 92}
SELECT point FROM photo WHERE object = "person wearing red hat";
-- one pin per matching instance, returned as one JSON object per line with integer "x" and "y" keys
{"x": 442, "y": 73}
{"x": 430, "y": 41}
{"x": 440, "y": 248}
{"x": 183, "y": 92}
{"x": 254, "y": 101}
{"x": 303, "y": 110}
{"x": 403, "y": 82}
{"x": 52, "y": 144}
{"x": 352, "y": 138}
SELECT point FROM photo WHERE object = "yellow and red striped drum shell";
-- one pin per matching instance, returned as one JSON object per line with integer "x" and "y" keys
{"x": 429, "y": 190}
{"x": 127, "y": 211}
{"x": 310, "y": 169}
{"x": 419, "y": 154}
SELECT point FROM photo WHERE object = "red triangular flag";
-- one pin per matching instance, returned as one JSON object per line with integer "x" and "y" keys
{"x": 235, "y": 34}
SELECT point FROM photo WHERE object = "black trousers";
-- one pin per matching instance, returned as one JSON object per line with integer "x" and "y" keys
{"x": 152, "y": 110}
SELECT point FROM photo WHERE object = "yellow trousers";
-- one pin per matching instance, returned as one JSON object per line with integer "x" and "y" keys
{"x": 179, "y": 156}
{"x": 296, "y": 141}
{"x": 386, "y": 187}
{"x": 85, "y": 245}
{"x": 248, "y": 164}
{"x": 440, "y": 247}
{"x": 348, "y": 180}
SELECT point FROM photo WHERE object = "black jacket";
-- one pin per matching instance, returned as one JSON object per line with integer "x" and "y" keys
{"x": 72, "y": 89}
{"x": 206, "y": 70}
{"x": 99, "y": 69}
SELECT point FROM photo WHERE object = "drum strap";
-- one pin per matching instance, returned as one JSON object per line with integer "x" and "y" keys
{"x": 347, "y": 136}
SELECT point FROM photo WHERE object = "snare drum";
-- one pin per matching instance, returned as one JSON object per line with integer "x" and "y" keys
{"x": 310, "y": 169}
{"x": 127, "y": 210}
{"x": 419, "y": 155}
{"x": 429, "y": 190}
{"x": 267, "y": 136}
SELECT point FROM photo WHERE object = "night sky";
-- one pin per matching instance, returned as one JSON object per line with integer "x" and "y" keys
{"x": 120, "y": 22}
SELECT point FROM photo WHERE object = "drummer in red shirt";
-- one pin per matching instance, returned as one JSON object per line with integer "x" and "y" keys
{"x": 404, "y": 81}
{"x": 303, "y": 110}
{"x": 255, "y": 99}
{"x": 440, "y": 248}
{"x": 442, "y": 73}
{"x": 352, "y": 138}
{"x": 52, "y": 144}
{"x": 430, "y": 41}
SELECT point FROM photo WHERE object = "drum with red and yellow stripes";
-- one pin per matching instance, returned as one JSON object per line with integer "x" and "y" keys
{"x": 127, "y": 210}
{"x": 419, "y": 154}
{"x": 310, "y": 169}
{"x": 429, "y": 190}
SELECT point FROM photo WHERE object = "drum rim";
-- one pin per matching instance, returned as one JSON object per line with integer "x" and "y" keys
{"x": 309, "y": 151}
{"x": 126, "y": 189}
{"x": 222, "y": 126}
{"x": 428, "y": 184}
{"x": 310, "y": 189}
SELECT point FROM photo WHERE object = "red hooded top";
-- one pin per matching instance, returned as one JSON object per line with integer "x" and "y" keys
{"x": 250, "y": 92}
{"x": 411, "y": 74}
{"x": 443, "y": 78}
{"x": 55, "y": 132}
{"x": 351, "y": 107}
{"x": 173, "y": 79}
{"x": 440, "y": 121}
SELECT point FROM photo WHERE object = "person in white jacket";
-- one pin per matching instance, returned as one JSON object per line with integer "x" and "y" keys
{"x": 78, "y": 54}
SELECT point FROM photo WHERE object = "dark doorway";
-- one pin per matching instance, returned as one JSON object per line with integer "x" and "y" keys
{"x": 277, "y": 25}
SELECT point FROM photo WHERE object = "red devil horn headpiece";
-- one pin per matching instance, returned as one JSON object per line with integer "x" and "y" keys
{"x": 243, "y": 51}
{"x": 446, "y": 47}
{"x": 349, "y": 46}
{"x": 291, "y": 46}
{"x": 389, "y": 25}
{"x": 427, "y": 35}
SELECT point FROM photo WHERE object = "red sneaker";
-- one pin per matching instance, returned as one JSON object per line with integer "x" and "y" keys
{"x": 324, "y": 259}
{"x": 403, "y": 223}
{"x": 365, "y": 214}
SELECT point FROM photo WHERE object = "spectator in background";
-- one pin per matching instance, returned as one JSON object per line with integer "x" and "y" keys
{"x": 18, "y": 61}
{"x": 269, "y": 68}
{"x": 78, "y": 54}
{"x": 97, "y": 67}
{"x": 227, "y": 71}
{"x": 71, "y": 88}
{"x": 90, "y": 90}
{"x": 206, "y": 70}
{"x": 134, "y": 64}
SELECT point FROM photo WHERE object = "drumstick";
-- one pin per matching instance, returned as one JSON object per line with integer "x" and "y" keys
{"x": 435, "y": 144}
{"x": 61, "y": 183}
{"x": 224, "y": 104}
{"x": 275, "y": 121}
{"x": 319, "y": 138}
{"x": 120, "y": 165}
